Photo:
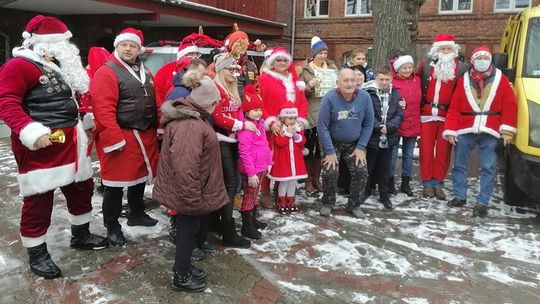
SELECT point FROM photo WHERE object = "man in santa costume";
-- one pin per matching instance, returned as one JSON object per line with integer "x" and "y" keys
{"x": 439, "y": 76}
{"x": 36, "y": 100}
{"x": 483, "y": 109}
{"x": 126, "y": 124}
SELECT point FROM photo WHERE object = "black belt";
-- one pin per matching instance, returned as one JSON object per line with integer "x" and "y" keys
{"x": 480, "y": 113}
{"x": 438, "y": 106}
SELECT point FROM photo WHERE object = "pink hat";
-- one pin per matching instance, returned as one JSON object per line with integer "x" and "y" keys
{"x": 130, "y": 34}
{"x": 479, "y": 51}
{"x": 46, "y": 29}
{"x": 444, "y": 39}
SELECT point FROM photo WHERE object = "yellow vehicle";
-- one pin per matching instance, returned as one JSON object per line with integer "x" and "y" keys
{"x": 519, "y": 58}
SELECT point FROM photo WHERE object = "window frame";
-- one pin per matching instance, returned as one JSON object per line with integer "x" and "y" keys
{"x": 511, "y": 9}
{"x": 317, "y": 9}
{"x": 358, "y": 4}
{"x": 455, "y": 8}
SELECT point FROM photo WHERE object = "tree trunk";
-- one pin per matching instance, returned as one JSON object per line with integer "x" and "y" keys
{"x": 395, "y": 29}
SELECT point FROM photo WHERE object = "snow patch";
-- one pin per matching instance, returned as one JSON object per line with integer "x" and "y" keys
{"x": 297, "y": 288}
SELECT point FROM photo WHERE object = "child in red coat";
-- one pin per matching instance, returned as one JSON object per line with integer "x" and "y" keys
{"x": 288, "y": 159}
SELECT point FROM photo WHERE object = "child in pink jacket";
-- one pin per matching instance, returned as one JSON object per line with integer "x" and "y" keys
{"x": 255, "y": 162}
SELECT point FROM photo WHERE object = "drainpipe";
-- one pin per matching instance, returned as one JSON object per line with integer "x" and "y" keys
{"x": 293, "y": 29}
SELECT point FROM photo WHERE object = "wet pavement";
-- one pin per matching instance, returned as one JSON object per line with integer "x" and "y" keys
{"x": 421, "y": 252}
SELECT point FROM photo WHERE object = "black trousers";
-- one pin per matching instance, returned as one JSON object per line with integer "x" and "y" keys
{"x": 312, "y": 144}
{"x": 378, "y": 161}
{"x": 112, "y": 203}
{"x": 187, "y": 226}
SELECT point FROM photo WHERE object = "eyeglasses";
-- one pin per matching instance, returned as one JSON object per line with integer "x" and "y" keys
{"x": 232, "y": 70}
{"x": 194, "y": 55}
{"x": 282, "y": 60}
{"x": 214, "y": 103}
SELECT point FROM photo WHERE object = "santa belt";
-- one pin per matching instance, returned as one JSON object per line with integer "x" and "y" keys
{"x": 438, "y": 106}
{"x": 480, "y": 113}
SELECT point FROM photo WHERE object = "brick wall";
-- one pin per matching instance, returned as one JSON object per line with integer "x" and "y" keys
{"x": 343, "y": 34}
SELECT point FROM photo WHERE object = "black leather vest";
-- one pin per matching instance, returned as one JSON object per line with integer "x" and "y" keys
{"x": 51, "y": 103}
{"x": 136, "y": 107}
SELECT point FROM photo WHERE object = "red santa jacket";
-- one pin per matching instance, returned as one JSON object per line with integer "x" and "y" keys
{"x": 288, "y": 158}
{"x": 228, "y": 117}
{"x": 499, "y": 112}
{"x": 277, "y": 92}
{"x": 51, "y": 167}
{"x": 437, "y": 93}
{"x": 127, "y": 156}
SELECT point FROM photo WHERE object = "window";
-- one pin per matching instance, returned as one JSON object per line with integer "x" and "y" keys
{"x": 316, "y": 8}
{"x": 455, "y": 6}
{"x": 358, "y": 8}
{"x": 532, "y": 60}
{"x": 511, "y": 5}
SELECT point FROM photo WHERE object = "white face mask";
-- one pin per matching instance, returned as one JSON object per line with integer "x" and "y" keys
{"x": 481, "y": 65}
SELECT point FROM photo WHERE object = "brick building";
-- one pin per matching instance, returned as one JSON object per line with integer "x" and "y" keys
{"x": 347, "y": 24}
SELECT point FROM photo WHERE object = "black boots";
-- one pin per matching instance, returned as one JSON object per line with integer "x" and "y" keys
{"x": 385, "y": 200}
{"x": 248, "y": 227}
{"x": 189, "y": 282}
{"x": 391, "y": 186}
{"x": 230, "y": 238}
{"x": 83, "y": 239}
{"x": 456, "y": 202}
{"x": 141, "y": 219}
{"x": 258, "y": 224}
{"x": 480, "y": 210}
{"x": 41, "y": 263}
{"x": 116, "y": 237}
{"x": 405, "y": 187}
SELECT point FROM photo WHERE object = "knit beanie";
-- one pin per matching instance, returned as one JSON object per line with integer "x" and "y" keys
{"x": 203, "y": 89}
{"x": 317, "y": 46}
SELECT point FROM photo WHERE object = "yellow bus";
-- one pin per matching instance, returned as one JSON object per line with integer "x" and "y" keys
{"x": 519, "y": 57}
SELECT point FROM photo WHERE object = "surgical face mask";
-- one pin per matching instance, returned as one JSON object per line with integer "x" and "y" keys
{"x": 481, "y": 65}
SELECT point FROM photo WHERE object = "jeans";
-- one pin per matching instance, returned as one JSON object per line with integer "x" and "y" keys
{"x": 487, "y": 145}
{"x": 407, "y": 154}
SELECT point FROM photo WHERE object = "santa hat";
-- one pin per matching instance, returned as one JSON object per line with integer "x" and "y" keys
{"x": 130, "y": 34}
{"x": 278, "y": 52}
{"x": 186, "y": 48}
{"x": 288, "y": 112}
{"x": 401, "y": 60}
{"x": 97, "y": 56}
{"x": 252, "y": 99}
{"x": 479, "y": 51}
{"x": 182, "y": 64}
{"x": 317, "y": 46}
{"x": 46, "y": 29}
{"x": 444, "y": 40}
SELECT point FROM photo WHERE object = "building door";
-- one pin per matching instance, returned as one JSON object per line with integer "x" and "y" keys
{"x": 5, "y": 49}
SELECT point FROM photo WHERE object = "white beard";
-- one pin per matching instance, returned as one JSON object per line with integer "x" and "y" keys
{"x": 445, "y": 68}
{"x": 67, "y": 55}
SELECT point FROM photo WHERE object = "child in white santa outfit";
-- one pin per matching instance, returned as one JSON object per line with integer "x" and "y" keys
{"x": 289, "y": 164}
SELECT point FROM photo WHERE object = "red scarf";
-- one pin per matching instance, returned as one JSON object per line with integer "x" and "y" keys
{"x": 479, "y": 78}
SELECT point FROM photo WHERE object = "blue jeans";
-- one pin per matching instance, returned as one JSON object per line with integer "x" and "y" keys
{"x": 487, "y": 145}
{"x": 407, "y": 151}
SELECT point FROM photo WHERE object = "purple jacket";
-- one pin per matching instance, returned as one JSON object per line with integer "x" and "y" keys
{"x": 253, "y": 150}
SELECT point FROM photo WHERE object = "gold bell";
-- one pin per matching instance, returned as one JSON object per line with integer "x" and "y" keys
{"x": 58, "y": 137}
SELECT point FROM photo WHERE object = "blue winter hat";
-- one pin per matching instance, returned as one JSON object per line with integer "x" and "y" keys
{"x": 317, "y": 45}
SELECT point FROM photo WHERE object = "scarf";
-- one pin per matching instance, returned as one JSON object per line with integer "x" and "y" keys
{"x": 479, "y": 79}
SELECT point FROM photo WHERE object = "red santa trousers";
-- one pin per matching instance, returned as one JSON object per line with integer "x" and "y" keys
{"x": 435, "y": 152}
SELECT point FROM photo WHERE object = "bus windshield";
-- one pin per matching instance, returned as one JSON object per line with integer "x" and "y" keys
{"x": 531, "y": 64}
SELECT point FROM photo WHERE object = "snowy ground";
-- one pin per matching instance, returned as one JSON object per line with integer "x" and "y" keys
{"x": 421, "y": 252}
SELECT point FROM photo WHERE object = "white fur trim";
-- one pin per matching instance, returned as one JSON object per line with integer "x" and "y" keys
{"x": 431, "y": 118}
{"x": 79, "y": 219}
{"x": 507, "y": 128}
{"x": 447, "y": 133}
{"x": 189, "y": 49}
{"x": 288, "y": 178}
{"x": 127, "y": 36}
{"x": 48, "y": 37}
{"x": 301, "y": 85}
{"x": 88, "y": 121}
{"x": 84, "y": 161}
{"x": 287, "y": 83}
{"x": 401, "y": 60}
{"x": 480, "y": 130}
{"x": 298, "y": 140}
{"x": 480, "y": 121}
{"x": 31, "y": 132}
{"x": 124, "y": 183}
{"x": 304, "y": 122}
{"x": 43, "y": 180}
{"x": 288, "y": 112}
{"x": 480, "y": 53}
{"x": 276, "y": 55}
{"x": 226, "y": 139}
{"x": 29, "y": 242}
{"x": 116, "y": 146}
{"x": 145, "y": 155}
{"x": 238, "y": 124}
{"x": 443, "y": 43}
{"x": 269, "y": 121}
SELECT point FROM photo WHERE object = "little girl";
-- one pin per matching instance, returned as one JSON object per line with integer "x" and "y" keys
{"x": 288, "y": 159}
{"x": 255, "y": 161}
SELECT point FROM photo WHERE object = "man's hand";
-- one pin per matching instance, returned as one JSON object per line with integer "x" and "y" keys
{"x": 360, "y": 157}
{"x": 275, "y": 129}
{"x": 330, "y": 161}
{"x": 43, "y": 142}
{"x": 253, "y": 181}
{"x": 249, "y": 126}
{"x": 452, "y": 140}
{"x": 383, "y": 129}
{"x": 507, "y": 139}
{"x": 403, "y": 103}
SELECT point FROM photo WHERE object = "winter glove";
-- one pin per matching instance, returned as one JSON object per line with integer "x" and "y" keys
{"x": 253, "y": 181}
